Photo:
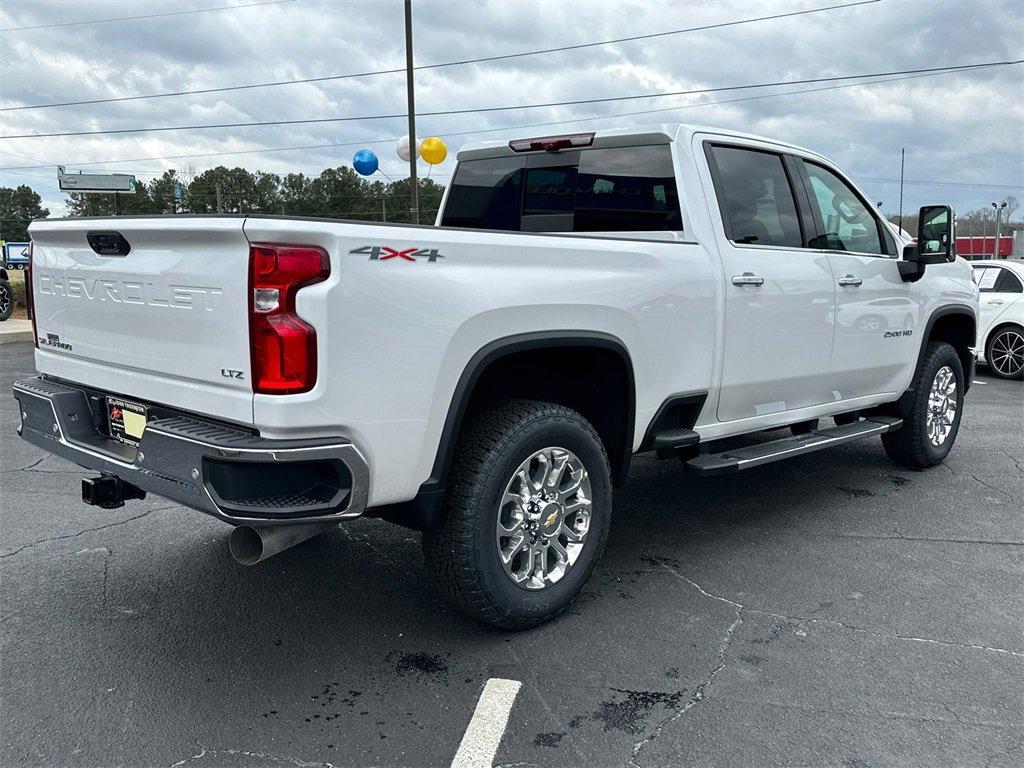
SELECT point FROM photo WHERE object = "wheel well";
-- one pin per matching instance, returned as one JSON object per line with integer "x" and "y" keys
{"x": 595, "y": 381}
{"x": 957, "y": 329}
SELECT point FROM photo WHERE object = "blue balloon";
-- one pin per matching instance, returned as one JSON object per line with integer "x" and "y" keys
{"x": 365, "y": 162}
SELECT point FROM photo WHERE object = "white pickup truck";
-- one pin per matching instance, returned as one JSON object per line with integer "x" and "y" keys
{"x": 486, "y": 380}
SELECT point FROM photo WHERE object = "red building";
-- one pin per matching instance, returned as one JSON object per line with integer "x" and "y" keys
{"x": 981, "y": 247}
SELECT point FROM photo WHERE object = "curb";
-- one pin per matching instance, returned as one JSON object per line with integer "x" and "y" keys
{"x": 9, "y": 337}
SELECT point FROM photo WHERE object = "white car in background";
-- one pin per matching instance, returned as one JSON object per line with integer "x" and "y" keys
{"x": 1001, "y": 324}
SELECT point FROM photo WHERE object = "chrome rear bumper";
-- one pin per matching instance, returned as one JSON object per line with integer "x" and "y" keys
{"x": 228, "y": 473}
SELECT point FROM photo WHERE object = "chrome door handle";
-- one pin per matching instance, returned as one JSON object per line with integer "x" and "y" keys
{"x": 994, "y": 301}
{"x": 850, "y": 280}
{"x": 747, "y": 278}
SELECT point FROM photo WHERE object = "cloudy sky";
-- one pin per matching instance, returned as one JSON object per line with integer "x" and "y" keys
{"x": 965, "y": 130}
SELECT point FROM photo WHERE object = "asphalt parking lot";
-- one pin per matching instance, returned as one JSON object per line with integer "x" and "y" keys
{"x": 835, "y": 610}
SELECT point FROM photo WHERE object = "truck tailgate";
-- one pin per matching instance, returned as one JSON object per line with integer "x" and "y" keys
{"x": 165, "y": 322}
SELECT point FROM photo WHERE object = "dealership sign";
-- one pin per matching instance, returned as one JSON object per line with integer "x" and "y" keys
{"x": 95, "y": 182}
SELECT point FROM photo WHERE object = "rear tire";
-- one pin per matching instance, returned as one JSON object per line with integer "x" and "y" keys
{"x": 494, "y": 552}
{"x": 930, "y": 429}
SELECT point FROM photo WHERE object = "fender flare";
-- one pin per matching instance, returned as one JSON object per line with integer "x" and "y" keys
{"x": 904, "y": 401}
{"x": 423, "y": 511}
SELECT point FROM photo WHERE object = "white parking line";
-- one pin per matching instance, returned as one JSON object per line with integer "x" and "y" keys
{"x": 487, "y": 725}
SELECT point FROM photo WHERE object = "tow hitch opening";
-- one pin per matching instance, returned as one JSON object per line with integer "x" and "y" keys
{"x": 109, "y": 491}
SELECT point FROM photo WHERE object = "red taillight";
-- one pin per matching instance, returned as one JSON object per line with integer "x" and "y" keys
{"x": 30, "y": 303}
{"x": 552, "y": 143}
{"x": 282, "y": 345}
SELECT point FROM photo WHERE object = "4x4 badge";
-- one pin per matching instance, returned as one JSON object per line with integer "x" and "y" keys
{"x": 386, "y": 253}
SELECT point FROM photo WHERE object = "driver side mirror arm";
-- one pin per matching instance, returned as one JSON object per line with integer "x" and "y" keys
{"x": 910, "y": 266}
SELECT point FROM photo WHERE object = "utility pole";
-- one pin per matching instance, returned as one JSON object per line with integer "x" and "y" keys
{"x": 220, "y": 207}
{"x": 995, "y": 240}
{"x": 383, "y": 208}
{"x": 984, "y": 234}
{"x": 903, "y": 157}
{"x": 414, "y": 205}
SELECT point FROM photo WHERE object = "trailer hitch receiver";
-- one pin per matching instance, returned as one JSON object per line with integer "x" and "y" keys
{"x": 109, "y": 491}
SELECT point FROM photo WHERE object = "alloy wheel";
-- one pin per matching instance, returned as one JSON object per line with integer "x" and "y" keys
{"x": 544, "y": 518}
{"x": 942, "y": 405}
{"x": 1007, "y": 352}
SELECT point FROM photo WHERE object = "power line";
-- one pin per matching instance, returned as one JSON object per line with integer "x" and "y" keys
{"x": 478, "y": 110}
{"x": 969, "y": 185}
{"x": 500, "y": 57}
{"x": 496, "y": 129}
{"x": 145, "y": 16}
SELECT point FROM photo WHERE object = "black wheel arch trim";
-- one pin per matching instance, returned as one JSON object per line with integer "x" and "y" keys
{"x": 423, "y": 511}
{"x": 944, "y": 311}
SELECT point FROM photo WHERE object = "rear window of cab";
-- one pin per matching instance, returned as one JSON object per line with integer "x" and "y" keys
{"x": 621, "y": 189}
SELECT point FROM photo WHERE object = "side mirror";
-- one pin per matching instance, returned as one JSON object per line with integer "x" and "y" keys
{"x": 936, "y": 242}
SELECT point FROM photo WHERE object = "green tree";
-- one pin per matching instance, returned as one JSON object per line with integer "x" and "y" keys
{"x": 340, "y": 193}
{"x": 161, "y": 193}
{"x": 18, "y": 207}
{"x": 240, "y": 191}
{"x": 429, "y": 194}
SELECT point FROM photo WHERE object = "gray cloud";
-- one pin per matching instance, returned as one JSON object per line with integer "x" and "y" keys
{"x": 964, "y": 128}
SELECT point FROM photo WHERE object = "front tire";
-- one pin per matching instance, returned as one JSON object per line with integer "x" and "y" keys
{"x": 1005, "y": 353}
{"x": 526, "y": 514}
{"x": 930, "y": 429}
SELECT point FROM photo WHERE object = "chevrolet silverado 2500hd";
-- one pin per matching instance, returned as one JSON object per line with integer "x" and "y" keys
{"x": 486, "y": 380}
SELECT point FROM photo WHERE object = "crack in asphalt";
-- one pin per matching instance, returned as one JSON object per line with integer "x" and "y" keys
{"x": 992, "y": 487}
{"x": 262, "y": 756}
{"x": 702, "y": 688}
{"x": 35, "y": 463}
{"x": 37, "y": 542}
{"x": 896, "y": 716}
{"x": 933, "y": 539}
{"x": 840, "y": 624}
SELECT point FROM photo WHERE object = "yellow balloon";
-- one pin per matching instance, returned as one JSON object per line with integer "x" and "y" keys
{"x": 433, "y": 150}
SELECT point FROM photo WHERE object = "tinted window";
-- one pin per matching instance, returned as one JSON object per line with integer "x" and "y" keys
{"x": 627, "y": 189}
{"x": 848, "y": 224}
{"x": 1008, "y": 283}
{"x": 593, "y": 190}
{"x": 548, "y": 198}
{"x": 486, "y": 194}
{"x": 756, "y": 198}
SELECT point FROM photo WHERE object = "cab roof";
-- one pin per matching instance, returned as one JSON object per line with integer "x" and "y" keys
{"x": 646, "y": 133}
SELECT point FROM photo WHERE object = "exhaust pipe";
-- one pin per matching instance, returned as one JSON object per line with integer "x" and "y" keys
{"x": 251, "y": 544}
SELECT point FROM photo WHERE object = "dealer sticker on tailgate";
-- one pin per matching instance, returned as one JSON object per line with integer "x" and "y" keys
{"x": 127, "y": 420}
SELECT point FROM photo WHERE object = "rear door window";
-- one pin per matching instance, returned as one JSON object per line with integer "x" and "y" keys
{"x": 756, "y": 198}
{"x": 1008, "y": 282}
{"x": 986, "y": 278}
